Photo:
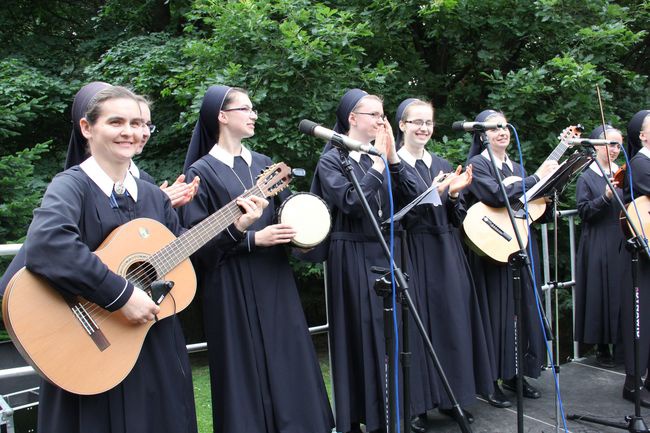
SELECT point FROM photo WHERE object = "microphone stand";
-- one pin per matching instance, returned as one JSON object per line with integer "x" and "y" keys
{"x": 402, "y": 287}
{"x": 517, "y": 261}
{"x": 634, "y": 423}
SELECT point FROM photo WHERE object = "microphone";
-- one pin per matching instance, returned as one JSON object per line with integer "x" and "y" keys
{"x": 476, "y": 126}
{"x": 590, "y": 142}
{"x": 311, "y": 128}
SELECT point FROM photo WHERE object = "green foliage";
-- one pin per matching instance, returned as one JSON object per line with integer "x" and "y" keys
{"x": 20, "y": 193}
{"x": 31, "y": 102}
{"x": 538, "y": 61}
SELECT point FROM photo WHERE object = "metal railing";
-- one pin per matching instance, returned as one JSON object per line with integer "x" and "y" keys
{"x": 12, "y": 249}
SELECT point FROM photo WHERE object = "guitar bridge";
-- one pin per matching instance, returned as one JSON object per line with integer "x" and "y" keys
{"x": 88, "y": 323}
{"x": 496, "y": 228}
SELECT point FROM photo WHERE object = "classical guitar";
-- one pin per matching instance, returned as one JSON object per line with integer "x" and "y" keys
{"x": 86, "y": 349}
{"x": 488, "y": 230}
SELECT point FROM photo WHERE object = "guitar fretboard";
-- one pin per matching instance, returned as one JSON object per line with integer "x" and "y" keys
{"x": 189, "y": 242}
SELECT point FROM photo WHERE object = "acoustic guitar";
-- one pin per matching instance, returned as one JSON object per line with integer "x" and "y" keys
{"x": 488, "y": 230}
{"x": 641, "y": 219}
{"x": 86, "y": 349}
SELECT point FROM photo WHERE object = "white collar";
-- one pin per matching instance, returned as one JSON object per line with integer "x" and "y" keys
{"x": 355, "y": 155}
{"x": 596, "y": 170}
{"x": 645, "y": 151}
{"x": 104, "y": 182}
{"x": 229, "y": 159}
{"x": 134, "y": 170}
{"x": 486, "y": 155}
{"x": 406, "y": 156}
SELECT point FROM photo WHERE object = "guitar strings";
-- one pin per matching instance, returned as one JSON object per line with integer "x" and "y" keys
{"x": 168, "y": 255}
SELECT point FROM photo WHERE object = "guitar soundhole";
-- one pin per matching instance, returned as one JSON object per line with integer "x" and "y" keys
{"x": 142, "y": 275}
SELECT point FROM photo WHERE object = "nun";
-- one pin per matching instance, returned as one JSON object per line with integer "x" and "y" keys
{"x": 78, "y": 151}
{"x": 81, "y": 207}
{"x": 494, "y": 281}
{"x": 441, "y": 281}
{"x": 603, "y": 263}
{"x": 638, "y": 145}
{"x": 355, "y": 310}
{"x": 264, "y": 373}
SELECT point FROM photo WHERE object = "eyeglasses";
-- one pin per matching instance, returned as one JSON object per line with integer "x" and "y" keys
{"x": 376, "y": 115}
{"x": 152, "y": 127}
{"x": 247, "y": 110}
{"x": 420, "y": 122}
{"x": 614, "y": 146}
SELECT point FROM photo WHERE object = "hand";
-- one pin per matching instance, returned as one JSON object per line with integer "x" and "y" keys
{"x": 546, "y": 168}
{"x": 252, "y": 208}
{"x": 608, "y": 192}
{"x": 384, "y": 143}
{"x": 460, "y": 181}
{"x": 181, "y": 193}
{"x": 274, "y": 234}
{"x": 139, "y": 309}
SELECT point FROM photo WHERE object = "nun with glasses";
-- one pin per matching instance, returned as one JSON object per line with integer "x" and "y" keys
{"x": 265, "y": 376}
{"x": 603, "y": 263}
{"x": 355, "y": 310}
{"x": 493, "y": 281}
{"x": 441, "y": 281}
{"x": 638, "y": 148}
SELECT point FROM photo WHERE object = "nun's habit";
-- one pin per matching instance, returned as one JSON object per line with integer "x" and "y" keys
{"x": 355, "y": 310}
{"x": 603, "y": 263}
{"x": 493, "y": 281}
{"x": 442, "y": 290}
{"x": 640, "y": 165}
{"x": 77, "y": 153}
{"x": 79, "y": 210}
{"x": 265, "y": 375}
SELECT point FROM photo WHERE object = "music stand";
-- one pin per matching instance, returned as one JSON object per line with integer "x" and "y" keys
{"x": 560, "y": 178}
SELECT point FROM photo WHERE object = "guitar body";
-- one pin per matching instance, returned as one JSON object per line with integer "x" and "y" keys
{"x": 53, "y": 339}
{"x": 643, "y": 223}
{"x": 489, "y": 232}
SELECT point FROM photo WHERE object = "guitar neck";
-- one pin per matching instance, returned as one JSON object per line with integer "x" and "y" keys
{"x": 189, "y": 242}
{"x": 557, "y": 152}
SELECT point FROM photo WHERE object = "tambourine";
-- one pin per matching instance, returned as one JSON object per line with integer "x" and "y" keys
{"x": 309, "y": 216}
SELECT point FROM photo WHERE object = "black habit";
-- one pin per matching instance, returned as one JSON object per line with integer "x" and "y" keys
{"x": 157, "y": 395}
{"x": 443, "y": 291}
{"x": 355, "y": 310}
{"x": 265, "y": 375}
{"x": 603, "y": 263}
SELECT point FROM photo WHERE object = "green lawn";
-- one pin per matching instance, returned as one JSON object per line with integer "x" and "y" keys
{"x": 201, "y": 377}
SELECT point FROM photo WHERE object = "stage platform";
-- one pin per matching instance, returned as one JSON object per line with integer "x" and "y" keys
{"x": 586, "y": 390}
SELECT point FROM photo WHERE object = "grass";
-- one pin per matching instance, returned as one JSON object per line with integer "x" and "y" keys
{"x": 202, "y": 399}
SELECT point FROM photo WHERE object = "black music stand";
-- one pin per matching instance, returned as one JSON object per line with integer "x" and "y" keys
{"x": 402, "y": 286}
{"x": 560, "y": 178}
{"x": 637, "y": 244}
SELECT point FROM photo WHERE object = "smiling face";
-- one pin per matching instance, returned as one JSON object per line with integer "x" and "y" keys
{"x": 237, "y": 116}
{"x": 116, "y": 133}
{"x": 499, "y": 138}
{"x": 366, "y": 118}
{"x": 417, "y": 125}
